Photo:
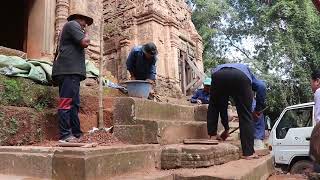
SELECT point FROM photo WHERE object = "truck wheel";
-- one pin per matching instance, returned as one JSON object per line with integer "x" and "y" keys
{"x": 302, "y": 167}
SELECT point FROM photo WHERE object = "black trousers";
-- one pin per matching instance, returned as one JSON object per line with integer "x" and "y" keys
{"x": 69, "y": 104}
{"x": 230, "y": 82}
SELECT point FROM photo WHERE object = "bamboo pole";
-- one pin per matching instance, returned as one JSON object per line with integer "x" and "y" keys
{"x": 101, "y": 121}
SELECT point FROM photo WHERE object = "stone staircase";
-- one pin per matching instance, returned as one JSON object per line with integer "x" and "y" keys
{"x": 147, "y": 122}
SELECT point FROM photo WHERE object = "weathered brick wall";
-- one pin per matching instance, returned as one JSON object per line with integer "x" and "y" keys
{"x": 94, "y": 8}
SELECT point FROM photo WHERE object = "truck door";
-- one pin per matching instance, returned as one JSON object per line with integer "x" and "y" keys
{"x": 292, "y": 134}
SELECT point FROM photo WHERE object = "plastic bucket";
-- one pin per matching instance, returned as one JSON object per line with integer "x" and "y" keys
{"x": 138, "y": 88}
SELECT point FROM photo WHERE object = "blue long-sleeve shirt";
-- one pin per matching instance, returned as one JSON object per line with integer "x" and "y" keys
{"x": 257, "y": 85}
{"x": 139, "y": 66}
{"x": 201, "y": 95}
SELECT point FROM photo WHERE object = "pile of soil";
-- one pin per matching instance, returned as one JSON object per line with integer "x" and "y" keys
{"x": 101, "y": 137}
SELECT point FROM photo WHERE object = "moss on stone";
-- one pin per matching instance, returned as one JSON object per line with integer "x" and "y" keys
{"x": 22, "y": 92}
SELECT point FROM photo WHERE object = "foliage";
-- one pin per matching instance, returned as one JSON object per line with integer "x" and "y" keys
{"x": 24, "y": 92}
{"x": 285, "y": 43}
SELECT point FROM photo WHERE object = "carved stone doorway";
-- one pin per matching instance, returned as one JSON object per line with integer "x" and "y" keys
{"x": 14, "y": 17}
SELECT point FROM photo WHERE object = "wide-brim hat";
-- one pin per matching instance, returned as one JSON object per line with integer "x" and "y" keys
{"x": 74, "y": 16}
{"x": 150, "y": 48}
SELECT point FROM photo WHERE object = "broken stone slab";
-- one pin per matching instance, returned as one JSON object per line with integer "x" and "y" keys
{"x": 195, "y": 156}
{"x": 12, "y": 52}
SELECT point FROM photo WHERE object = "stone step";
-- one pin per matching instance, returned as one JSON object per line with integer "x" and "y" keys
{"x": 77, "y": 163}
{"x": 257, "y": 169}
{"x": 127, "y": 110}
{"x": 195, "y": 156}
{"x": 160, "y": 131}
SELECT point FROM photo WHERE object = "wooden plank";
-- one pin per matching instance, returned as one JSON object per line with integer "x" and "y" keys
{"x": 184, "y": 75}
{"x": 192, "y": 83}
{"x": 194, "y": 68}
{"x": 84, "y": 145}
{"x": 200, "y": 141}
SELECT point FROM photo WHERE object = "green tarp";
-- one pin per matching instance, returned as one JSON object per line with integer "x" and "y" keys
{"x": 36, "y": 70}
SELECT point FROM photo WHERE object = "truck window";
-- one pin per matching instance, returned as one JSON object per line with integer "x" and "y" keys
{"x": 294, "y": 118}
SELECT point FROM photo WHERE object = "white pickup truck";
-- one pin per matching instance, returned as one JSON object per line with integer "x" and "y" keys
{"x": 289, "y": 138}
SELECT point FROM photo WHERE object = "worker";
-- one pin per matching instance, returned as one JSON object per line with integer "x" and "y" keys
{"x": 259, "y": 129}
{"x": 68, "y": 70}
{"x": 141, "y": 62}
{"x": 201, "y": 96}
{"x": 237, "y": 81}
{"x": 314, "y": 141}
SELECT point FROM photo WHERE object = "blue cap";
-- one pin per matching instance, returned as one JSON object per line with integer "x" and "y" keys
{"x": 207, "y": 81}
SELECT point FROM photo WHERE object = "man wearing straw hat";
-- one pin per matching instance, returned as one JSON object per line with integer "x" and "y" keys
{"x": 68, "y": 70}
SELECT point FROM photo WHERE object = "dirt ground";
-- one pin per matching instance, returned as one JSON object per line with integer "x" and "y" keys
{"x": 280, "y": 175}
{"x": 287, "y": 177}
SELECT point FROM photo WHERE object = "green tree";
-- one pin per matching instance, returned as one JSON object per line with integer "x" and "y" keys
{"x": 285, "y": 35}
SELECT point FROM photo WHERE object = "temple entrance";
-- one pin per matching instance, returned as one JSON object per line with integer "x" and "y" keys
{"x": 14, "y": 15}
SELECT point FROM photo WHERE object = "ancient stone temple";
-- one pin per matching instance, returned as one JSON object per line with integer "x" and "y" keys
{"x": 32, "y": 28}
{"x": 168, "y": 24}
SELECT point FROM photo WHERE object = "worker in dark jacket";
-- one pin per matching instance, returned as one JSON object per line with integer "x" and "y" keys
{"x": 237, "y": 81}
{"x": 141, "y": 62}
{"x": 68, "y": 70}
{"x": 201, "y": 96}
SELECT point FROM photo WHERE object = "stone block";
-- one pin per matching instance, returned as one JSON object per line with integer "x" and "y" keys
{"x": 132, "y": 134}
{"x": 124, "y": 111}
{"x": 26, "y": 161}
{"x": 170, "y": 132}
{"x": 163, "y": 111}
{"x": 176, "y": 132}
{"x": 200, "y": 113}
{"x": 195, "y": 156}
{"x": 102, "y": 162}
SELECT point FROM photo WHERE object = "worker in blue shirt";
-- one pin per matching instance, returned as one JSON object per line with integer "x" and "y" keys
{"x": 259, "y": 129}
{"x": 201, "y": 96}
{"x": 141, "y": 62}
{"x": 236, "y": 81}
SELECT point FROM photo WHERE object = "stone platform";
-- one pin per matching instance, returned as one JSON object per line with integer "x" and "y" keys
{"x": 257, "y": 169}
{"x": 78, "y": 163}
{"x": 134, "y": 162}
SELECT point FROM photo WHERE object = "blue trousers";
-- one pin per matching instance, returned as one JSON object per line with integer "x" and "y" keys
{"x": 69, "y": 104}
